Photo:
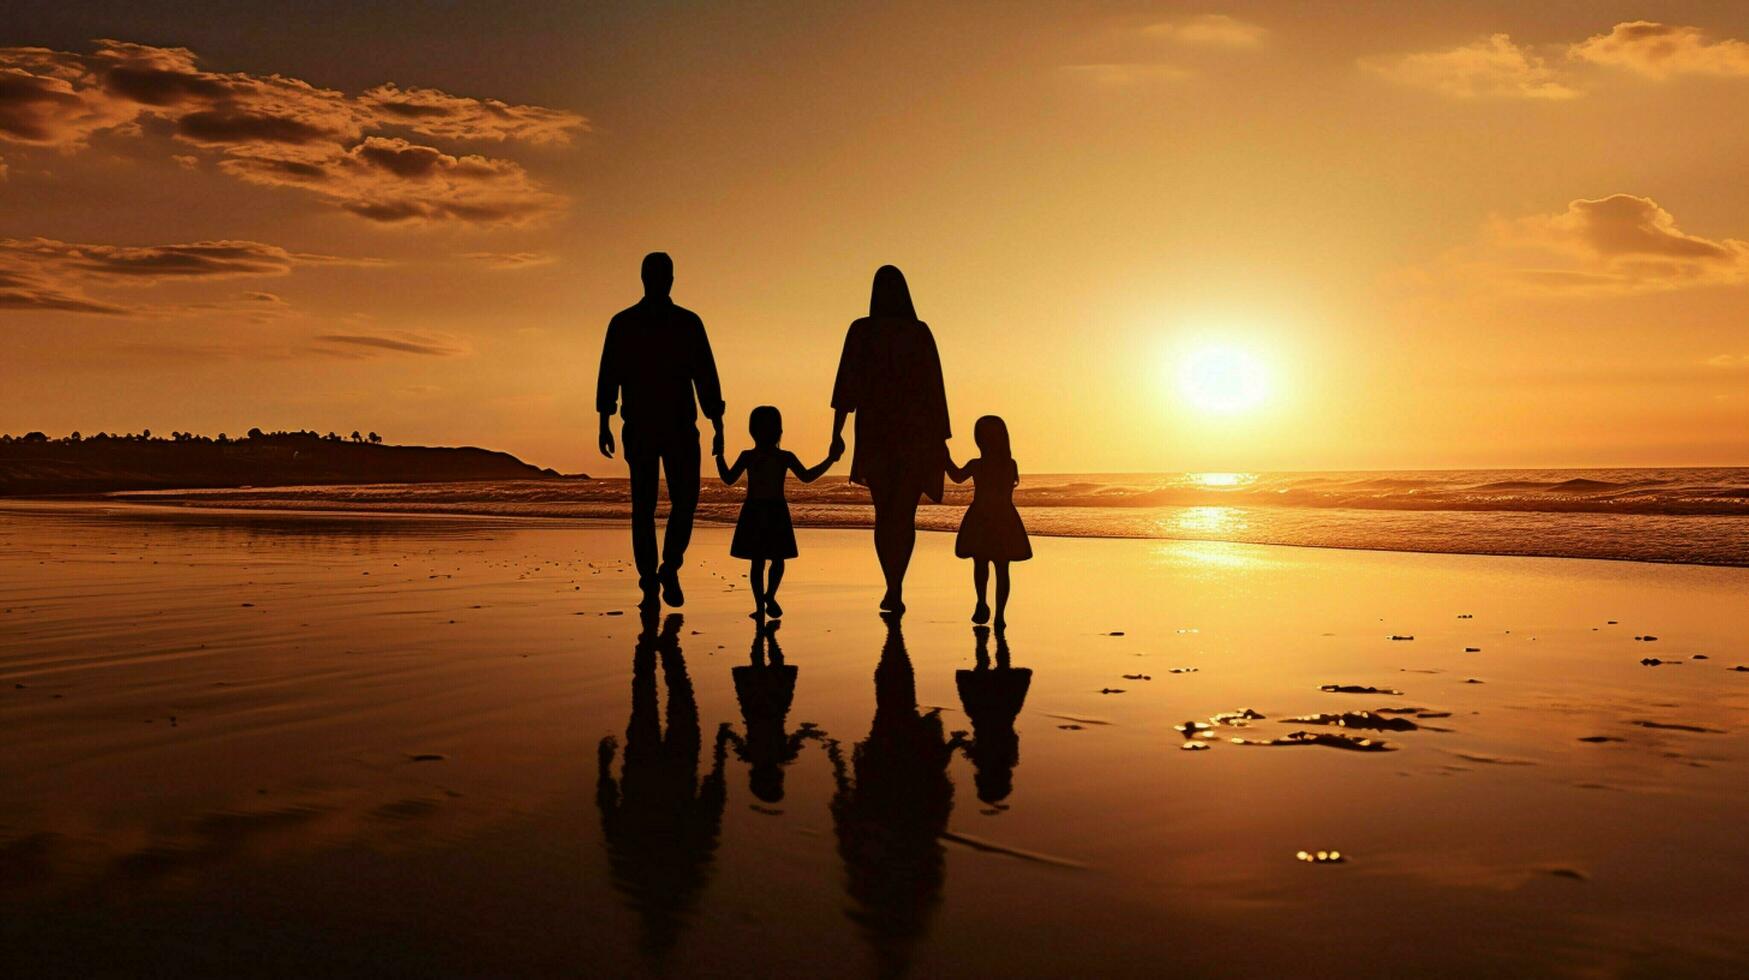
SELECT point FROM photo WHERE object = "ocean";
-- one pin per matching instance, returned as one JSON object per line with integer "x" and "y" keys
{"x": 1696, "y": 516}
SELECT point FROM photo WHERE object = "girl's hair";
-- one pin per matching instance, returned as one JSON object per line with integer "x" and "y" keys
{"x": 991, "y": 435}
{"x": 765, "y": 423}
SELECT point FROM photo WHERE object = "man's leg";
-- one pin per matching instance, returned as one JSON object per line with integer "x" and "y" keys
{"x": 642, "y": 461}
{"x": 680, "y": 458}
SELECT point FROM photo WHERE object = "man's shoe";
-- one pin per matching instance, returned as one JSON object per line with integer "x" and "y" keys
{"x": 671, "y": 593}
{"x": 652, "y": 601}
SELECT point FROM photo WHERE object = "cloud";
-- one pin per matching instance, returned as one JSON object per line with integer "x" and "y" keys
{"x": 1121, "y": 73}
{"x": 392, "y": 181}
{"x": 1497, "y": 67}
{"x": 430, "y": 112}
{"x": 284, "y": 132}
{"x": 512, "y": 260}
{"x": 46, "y": 274}
{"x": 144, "y": 264}
{"x": 1492, "y": 68}
{"x": 26, "y": 289}
{"x": 1662, "y": 50}
{"x": 403, "y": 342}
{"x": 1611, "y": 245}
{"x": 1730, "y": 362}
{"x": 1215, "y": 30}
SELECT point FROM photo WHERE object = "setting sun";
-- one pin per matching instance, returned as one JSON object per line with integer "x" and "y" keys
{"x": 1223, "y": 380}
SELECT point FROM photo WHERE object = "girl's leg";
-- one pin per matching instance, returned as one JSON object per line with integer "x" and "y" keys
{"x": 1001, "y": 593}
{"x": 758, "y": 579}
{"x": 772, "y": 580}
{"x": 981, "y": 580}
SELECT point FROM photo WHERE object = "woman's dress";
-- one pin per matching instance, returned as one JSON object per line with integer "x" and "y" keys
{"x": 890, "y": 376}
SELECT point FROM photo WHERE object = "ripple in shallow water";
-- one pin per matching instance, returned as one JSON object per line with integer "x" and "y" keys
{"x": 1352, "y": 743}
{"x": 1359, "y": 719}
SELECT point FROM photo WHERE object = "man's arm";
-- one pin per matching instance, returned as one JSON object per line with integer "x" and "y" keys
{"x": 607, "y": 385}
{"x": 710, "y": 389}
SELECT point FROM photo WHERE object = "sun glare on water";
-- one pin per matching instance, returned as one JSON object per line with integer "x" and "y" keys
{"x": 1223, "y": 380}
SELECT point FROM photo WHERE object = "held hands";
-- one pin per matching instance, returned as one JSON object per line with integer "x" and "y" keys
{"x": 836, "y": 453}
{"x": 717, "y": 439}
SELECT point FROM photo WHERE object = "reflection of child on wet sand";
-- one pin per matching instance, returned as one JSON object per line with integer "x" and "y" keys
{"x": 992, "y": 699}
{"x": 766, "y": 687}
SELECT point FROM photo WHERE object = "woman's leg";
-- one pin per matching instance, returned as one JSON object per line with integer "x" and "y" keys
{"x": 1001, "y": 593}
{"x": 757, "y": 577}
{"x": 895, "y": 538}
{"x": 981, "y": 580}
{"x": 771, "y": 582}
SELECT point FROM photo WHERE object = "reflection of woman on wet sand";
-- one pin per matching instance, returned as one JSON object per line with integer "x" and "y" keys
{"x": 659, "y": 821}
{"x": 889, "y": 817}
{"x": 992, "y": 698}
{"x": 765, "y": 687}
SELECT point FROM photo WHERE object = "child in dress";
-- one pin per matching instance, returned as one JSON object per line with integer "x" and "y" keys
{"x": 765, "y": 687}
{"x": 991, "y": 531}
{"x": 763, "y": 532}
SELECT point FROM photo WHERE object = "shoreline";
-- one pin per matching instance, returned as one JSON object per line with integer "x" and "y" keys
{"x": 705, "y": 518}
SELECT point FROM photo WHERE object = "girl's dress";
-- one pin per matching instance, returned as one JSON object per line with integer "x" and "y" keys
{"x": 991, "y": 529}
{"x": 763, "y": 531}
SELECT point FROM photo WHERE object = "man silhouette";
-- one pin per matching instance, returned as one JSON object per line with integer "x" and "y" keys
{"x": 655, "y": 356}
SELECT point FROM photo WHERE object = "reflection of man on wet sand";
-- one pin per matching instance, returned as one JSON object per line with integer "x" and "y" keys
{"x": 659, "y": 821}
{"x": 889, "y": 817}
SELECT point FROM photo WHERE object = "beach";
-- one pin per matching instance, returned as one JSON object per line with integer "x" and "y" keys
{"x": 320, "y": 743}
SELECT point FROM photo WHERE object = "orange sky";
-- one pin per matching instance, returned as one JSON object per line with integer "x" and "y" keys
{"x": 1454, "y": 234}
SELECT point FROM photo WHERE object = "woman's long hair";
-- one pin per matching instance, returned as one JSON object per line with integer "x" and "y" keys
{"x": 891, "y": 297}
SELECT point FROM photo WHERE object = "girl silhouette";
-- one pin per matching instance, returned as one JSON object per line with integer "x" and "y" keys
{"x": 763, "y": 532}
{"x": 991, "y": 532}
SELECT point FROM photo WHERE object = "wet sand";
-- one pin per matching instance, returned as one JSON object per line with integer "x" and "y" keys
{"x": 315, "y": 744}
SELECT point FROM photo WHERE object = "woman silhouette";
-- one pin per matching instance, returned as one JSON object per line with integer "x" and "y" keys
{"x": 890, "y": 376}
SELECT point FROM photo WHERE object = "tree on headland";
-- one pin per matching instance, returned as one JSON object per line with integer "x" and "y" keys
{"x": 356, "y": 437}
{"x": 255, "y": 433}
{"x": 35, "y": 437}
{"x": 375, "y": 439}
